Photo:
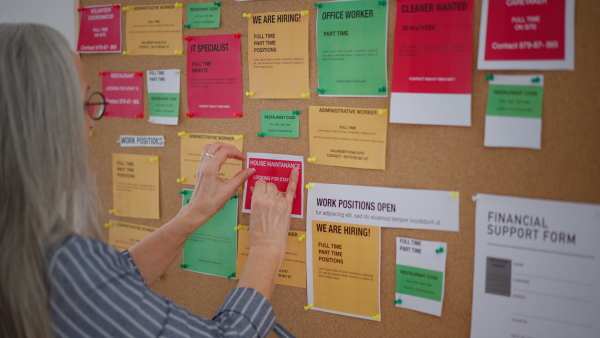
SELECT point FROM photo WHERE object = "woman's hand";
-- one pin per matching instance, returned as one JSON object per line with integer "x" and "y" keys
{"x": 211, "y": 192}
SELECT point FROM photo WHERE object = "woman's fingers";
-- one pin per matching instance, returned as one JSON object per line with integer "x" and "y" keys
{"x": 291, "y": 188}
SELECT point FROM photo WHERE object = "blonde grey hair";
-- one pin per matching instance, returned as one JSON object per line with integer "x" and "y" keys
{"x": 46, "y": 189}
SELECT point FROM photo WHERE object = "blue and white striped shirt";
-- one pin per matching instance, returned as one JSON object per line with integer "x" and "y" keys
{"x": 98, "y": 292}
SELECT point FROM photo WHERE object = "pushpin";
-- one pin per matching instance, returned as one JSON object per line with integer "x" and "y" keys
{"x": 239, "y": 137}
{"x": 490, "y": 77}
{"x": 91, "y": 133}
{"x": 320, "y": 90}
{"x": 154, "y": 159}
{"x": 295, "y": 112}
{"x": 180, "y": 180}
{"x": 376, "y": 317}
{"x": 238, "y": 114}
{"x": 301, "y": 238}
{"x": 126, "y": 8}
{"x": 535, "y": 80}
{"x": 139, "y": 116}
{"x": 181, "y": 133}
{"x": 304, "y": 13}
{"x": 454, "y": 194}
{"x": 126, "y": 52}
{"x": 187, "y": 26}
{"x": 308, "y": 306}
{"x": 231, "y": 276}
{"x": 237, "y": 35}
{"x": 234, "y": 197}
{"x": 112, "y": 211}
{"x": 382, "y": 89}
{"x": 178, "y": 52}
{"x": 317, "y": 4}
{"x": 101, "y": 73}
{"x": 311, "y": 160}
{"x": 177, "y": 4}
{"x": 237, "y": 228}
{"x": 398, "y": 301}
{"x": 189, "y": 114}
{"x": 108, "y": 224}
{"x": 187, "y": 38}
{"x": 116, "y": 6}
{"x": 139, "y": 73}
{"x": 218, "y": 4}
{"x": 250, "y": 94}
{"x": 181, "y": 192}
{"x": 440, "y": 250}
{"x": 261, "y": 134}
{"x": 305, "y": 95}
{"x": 241, "y": 187}
{"x": 183, "y": 266}
{"x": 382, "y": 2}
{"x": 310, "y": 185}
{"x": 382, "y": 111}
{"x": 248, "y": 16}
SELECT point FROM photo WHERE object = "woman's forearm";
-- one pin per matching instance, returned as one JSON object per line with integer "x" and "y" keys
{"x": 261, "y": 269}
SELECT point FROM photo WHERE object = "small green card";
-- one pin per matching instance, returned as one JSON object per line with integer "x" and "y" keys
{"x": 164, "y": 104}
{"x": 419, "y": 282}
{"x": 212, "y": 249}
{"x": 205, "y": 15}
{"x": 276, "y": 123}
{"x": 515, "y": 101}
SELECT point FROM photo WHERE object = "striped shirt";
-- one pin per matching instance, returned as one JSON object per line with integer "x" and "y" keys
{"x": 98, "y": 292}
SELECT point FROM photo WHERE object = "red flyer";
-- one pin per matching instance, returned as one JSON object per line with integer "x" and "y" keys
{"x": 526, "y": 34}
{"x": 123, "y": 93}
{"x": 277, "y": 169}
{"x": 214, "y": 76}
{"x": 433, "y": 45}
{"x": 100, "y": 29}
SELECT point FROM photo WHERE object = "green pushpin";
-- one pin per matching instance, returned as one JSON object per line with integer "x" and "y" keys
{"x": 187, "y": 26}
{"x": 320, "y": 90}
{"x": 231, "y": 276}
{"x": 440, "y": 250}
{"x": 316, "y": 4}
{"x": 234, "y": 197}
{"x": 182, "y": 192}
{"x": 382, "y": 89}
{"x": 183, "y": 266}
{"x": 296, "y": 112}
{"x": 398, "y": 301}
{"x": 218, "y": 4}
{"x": 382, "y": 2}
{"x": 535, "y": 80}
{"x": 261, "y": 134}
{"x": 490, "y": 77}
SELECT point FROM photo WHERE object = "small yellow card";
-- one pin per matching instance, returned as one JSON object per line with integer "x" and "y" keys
{"x": 278, "y": 55}
{"x": 293, "y": 268}
{"x": 345, "y": 268}
{"x": 348, "y": 137}
{"x": 135, "y": 186}
{"x": 123, "y": 236}
{"x": 191, "y": 149}
{"x": 154, "y": 30}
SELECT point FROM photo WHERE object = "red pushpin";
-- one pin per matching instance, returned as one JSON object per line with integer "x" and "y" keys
{"x": 237, "y": 35}
{"x": 81, "y": 9}
{"x": 139, "y": 116}
{"x": 139, "y": 74}
{"x": 101, "y": 73}
{"x": 116, "y": 6}
{"x": 189, "y": 114}
{"x": 237, "y": 114}
{"x": 187, "y": 38}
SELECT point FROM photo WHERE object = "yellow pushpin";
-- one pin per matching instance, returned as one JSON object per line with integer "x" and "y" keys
{"x": 241, "y": 187}
{"x": 239, "y": 137}
{"x": 126, "y": 8}
{"x": 248, "y": 16}
{"x": 177, "y": 4}
{"x": 304, "y": 13}
{"x": 382, "y": 112}
{"x": 237, "y": 228}
{"x": 181, "y": 133}
{"x": 454, "y": 194}
{"x": 112, "y": 211}
{"x": 250, "y": 94}
{"x": 310, "y": 185}
{"x": 311, "y": 160}
{"x": 178, "y": 52}
{"x": 305, "y": 95}
{"x": 91, "y": 133}
{"x": 126, "y": 52}
{"x": 108, "y": 225}
{"x": 301, "y": 238}
{"x": 376, "y": 317}
{"x": 180, "y": 180}
{"x": 154, "y": 159}
{"x": 308, "y": 306}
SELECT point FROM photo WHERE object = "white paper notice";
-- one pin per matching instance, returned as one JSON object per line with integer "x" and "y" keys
{"x": 420, "y": 273}
{"x": 384, "y": 207}
{"x": 514, "y": 111}
{"x": 537, "y": 272}
{"x": 164, "y": 96}
{"x": 141, "y": 141}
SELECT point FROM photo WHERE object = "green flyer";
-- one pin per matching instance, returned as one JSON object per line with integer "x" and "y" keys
{"x": 419, "y": 282}
{"x": 205, "y": 15}
{"x": 163, "y": 96}
{"x": 352, "y": 48}
{"x": 212, "y": 249}
{"x": 276, "y": 123}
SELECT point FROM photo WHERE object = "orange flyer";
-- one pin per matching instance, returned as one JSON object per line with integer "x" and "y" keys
{"x": 154, "y": 30}
{"x": 123, "y": 236}
{"x": 135, "y": 186}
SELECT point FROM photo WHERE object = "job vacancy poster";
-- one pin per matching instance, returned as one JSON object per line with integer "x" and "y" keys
{"x": 527, "y": 34}
{"x": 432, "y": 63}
{"x": 100, "y": 29}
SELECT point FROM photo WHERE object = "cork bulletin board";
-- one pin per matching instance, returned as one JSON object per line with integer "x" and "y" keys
{"x": 567, "y": 168}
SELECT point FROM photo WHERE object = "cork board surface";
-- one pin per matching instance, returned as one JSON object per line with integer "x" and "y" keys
{"x": 567, "y": 168}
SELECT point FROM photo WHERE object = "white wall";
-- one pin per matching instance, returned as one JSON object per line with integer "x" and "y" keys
{"x": 59, "y": 14}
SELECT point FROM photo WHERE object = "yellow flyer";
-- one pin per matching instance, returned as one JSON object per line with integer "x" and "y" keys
{"x": 348, "y": 137}
{"x": 135, "y": 186}
{"x": 123, "y": 236}
{"x": 191, "y": 149}
{"x": 154, "y": 30}
{"x": 278, "y": 55}
{"x": 293, "y": 268}
{"x": 344, "y": 275}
